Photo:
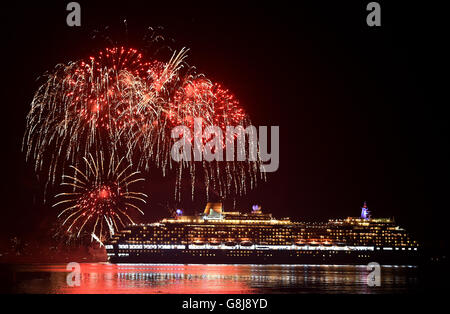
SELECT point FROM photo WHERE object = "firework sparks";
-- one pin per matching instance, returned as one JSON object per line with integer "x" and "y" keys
{"x": 87, "y": 105}
{"x": 118, "y": 102}
{"x": 210, "y": 101}
{"x": 101, "y": 199}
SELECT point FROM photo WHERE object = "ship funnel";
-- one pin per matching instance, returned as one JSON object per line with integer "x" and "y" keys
{"x": 365, "y": 212}
{"x": 213, "y": 209}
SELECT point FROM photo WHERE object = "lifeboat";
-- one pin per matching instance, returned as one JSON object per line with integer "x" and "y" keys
{"x": 199, "y": 242}
{"x": 246, "y": 243}
{"x": 313, "y": 243}
{"x": 300, "y": 243}
{"x": 230, "y": 243}
{"x": 326, "y": 242}
{"x": 214, "y": 242}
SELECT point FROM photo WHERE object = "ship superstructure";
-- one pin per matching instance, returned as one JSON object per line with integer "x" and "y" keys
{"x": 217, "y": 236}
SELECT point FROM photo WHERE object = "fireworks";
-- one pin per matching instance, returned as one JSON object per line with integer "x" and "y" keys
{"x": 92, "y": 105}
{"x": 101, "y": 199}
{"x": 120, "y": 103}
{"x": 214, "y": 104}
{"x": 196, "y": 97}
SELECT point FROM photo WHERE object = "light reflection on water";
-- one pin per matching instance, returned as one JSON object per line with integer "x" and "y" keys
{"x": 163, "y": 278}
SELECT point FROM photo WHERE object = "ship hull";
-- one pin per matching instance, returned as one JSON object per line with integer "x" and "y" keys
{"x": 176, "y": 256}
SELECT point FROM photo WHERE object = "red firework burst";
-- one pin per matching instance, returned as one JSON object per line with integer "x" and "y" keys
{"x": 100, "y": 198}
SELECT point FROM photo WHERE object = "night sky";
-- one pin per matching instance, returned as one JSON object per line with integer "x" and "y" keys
{"x": 357, "y": 107}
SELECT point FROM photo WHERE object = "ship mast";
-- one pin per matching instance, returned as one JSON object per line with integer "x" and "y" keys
{"x": 365, "y": 212}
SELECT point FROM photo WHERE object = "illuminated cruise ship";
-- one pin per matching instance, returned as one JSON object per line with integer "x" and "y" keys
{"x": 222, "y": 237}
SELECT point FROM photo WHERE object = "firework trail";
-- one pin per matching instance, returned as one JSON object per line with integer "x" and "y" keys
{"x": 100, "y": 199}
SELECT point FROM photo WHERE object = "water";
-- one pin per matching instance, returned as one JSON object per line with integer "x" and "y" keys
{"x": 159, "y": 278}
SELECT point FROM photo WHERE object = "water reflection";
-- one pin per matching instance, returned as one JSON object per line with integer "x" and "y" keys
{"x": 163, "y": 278}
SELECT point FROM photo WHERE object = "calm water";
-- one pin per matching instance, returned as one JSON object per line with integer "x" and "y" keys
{"x": 158, "y": 278}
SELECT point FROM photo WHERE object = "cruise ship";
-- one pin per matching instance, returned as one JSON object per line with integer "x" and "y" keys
{"x": 220, "y": 237}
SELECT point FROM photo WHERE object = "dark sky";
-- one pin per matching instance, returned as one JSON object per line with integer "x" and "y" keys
{"x": 357, "y": 107}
